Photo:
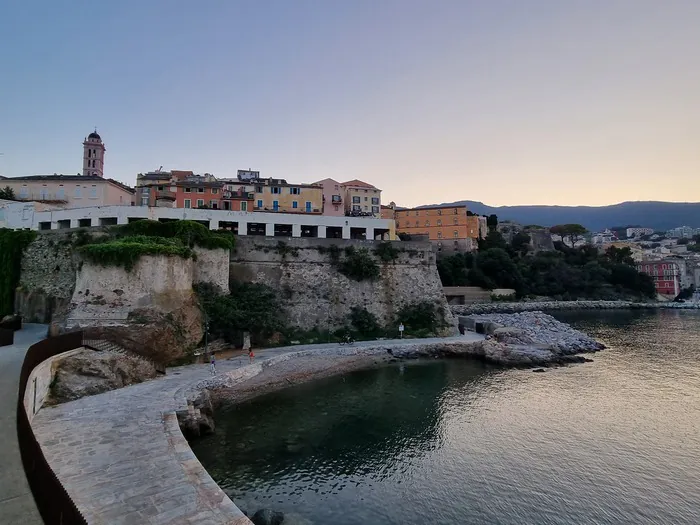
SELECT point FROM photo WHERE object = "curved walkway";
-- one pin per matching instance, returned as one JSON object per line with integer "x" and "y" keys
{"x": 121, "y": 455}
{"x": 17, "y": 505}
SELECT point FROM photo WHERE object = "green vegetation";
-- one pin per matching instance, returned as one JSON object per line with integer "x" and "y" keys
{"x": 421, "y": 319}
{"x": 123, "y": 245}
{"x": 365, "y": 322}
{"x": 387, "y": 252}
{"x": 7, "y": 194}
{"x": 12, "y": 245}
{"x": 189, "y": 233}
{"x": 249, "y": 307}
{"x": 126, "y": 251}
{"x": 358, "y": 264}
{"x": 284, "y": 249}
{"x": 566, "y": 273}
{"x": 572, "y": 232}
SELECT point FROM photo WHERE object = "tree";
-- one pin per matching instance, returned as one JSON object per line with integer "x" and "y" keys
{"x": 683, "y": 241}
{"x": 7, "y": 194}
{"x": 492, "y": 221}
{"x": 520, "y": 243}
{"x": 494, "y": 239}
{"x": 573, "y": 232}
{"x": 620, "y": 255}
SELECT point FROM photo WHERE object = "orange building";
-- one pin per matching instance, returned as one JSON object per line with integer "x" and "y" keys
{"x": 448, "y": 227}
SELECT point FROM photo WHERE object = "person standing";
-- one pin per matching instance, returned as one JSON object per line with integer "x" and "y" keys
{"x": 251, "y": 355}
{"x": 212, "y": 364}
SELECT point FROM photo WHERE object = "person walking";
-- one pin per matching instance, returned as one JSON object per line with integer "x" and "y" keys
{"x": 212, "y": 364}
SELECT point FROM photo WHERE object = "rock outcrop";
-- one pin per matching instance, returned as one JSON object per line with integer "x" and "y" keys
{"x": 88, "y": 372}
{"x": 530, "y": 306}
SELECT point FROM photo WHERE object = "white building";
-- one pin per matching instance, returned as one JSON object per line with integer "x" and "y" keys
{"x": 20, "y": 215}
{"x": 638, "y": 232}
{"x": 682, "y": 232}
{"x": 604, "y": 237}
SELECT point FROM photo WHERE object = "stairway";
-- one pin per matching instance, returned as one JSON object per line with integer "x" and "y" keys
{"x": 102, "y": 345}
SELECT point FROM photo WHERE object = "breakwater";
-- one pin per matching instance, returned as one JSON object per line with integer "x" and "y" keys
{"x": 533, "y": 306}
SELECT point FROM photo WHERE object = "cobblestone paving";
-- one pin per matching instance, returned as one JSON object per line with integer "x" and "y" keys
{"x": 122, "y": 457}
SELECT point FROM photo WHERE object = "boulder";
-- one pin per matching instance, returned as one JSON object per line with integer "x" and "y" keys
{"x": 88, "y": 373}
{"x": 267, "y": 517}
{"x": 163, "y": 336}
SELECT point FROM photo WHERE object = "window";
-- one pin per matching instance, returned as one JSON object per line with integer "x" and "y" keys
{"x": 160, "y": 188}
{"x": 456, "y": 234}
{"x": 439, "y": 212}
{"x": 366, "y": 199}
{"x": 89, "y": 153}
{"x": 44, "y": 193}
{"x": 356, "y": 207}
{"x": 417, "y": 224}
{"x": 188, "y": 190}
{"x": 365, "y": 191}
{"x": 60, "y": 194}
{"x": 77, "y": 191}
{"x": 295, "y": 204}
{"x": 375, "y": 209}
{"x": 455, "y": 211}
{"x": 93, "y": 163}
{"x": 294, "y": 191}
{"x": 200, "y": 190}
{"x": 275, "y": 205}
{"x": 375, "y": 201}
{"x": 276, "y": 190}
{"x": 23, "y": 192}
{"x": 439, "y": 235}
{"x": 93, "y": 191}
{"x": 439, "y": 222}
{"x": 188, "y": 203}
{"x": 455, "y": 220}
{"x": 260, "y": 204}
{"x": 427, "y": 223}
{"x": 214, "y": 191}
{"x": 308, "y": 206}
{"x": 356, "y": 200}
{"x": 416, "y": 213}
{"x": 214, "y": 204}
{"x": 200, "y": 203}
{"x": 244, "y": 206}
{"x": 259, "y": 189}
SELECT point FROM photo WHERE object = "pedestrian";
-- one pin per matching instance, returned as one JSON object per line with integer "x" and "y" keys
{"x": 212, "y": 364}
{"x": 251, "y": 355}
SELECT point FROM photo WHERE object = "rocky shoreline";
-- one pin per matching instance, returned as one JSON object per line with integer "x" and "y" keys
{"x": 530, "y": 306}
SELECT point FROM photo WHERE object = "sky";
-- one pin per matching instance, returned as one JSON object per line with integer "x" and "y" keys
{"x": 575, "y": 102}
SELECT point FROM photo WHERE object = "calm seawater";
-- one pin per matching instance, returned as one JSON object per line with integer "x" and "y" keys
{"x": 457, "y": 442}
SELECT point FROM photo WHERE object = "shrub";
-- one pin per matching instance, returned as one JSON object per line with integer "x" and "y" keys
{"x": 364, "y": 322}
{"x": 386, "y": 252}
{"x": 421, "y": 318}
{"x": 190, "y": 233}
{"x": 126, "y": 251}
{"x": 358, "y": 264}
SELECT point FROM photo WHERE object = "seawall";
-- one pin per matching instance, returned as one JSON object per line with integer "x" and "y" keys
{"x": 533, "y": 306}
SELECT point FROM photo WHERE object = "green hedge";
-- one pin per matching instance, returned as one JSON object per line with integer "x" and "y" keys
{"x": 126, "y": 251}
{"x": 190, "y": 233}
{"x": 12, "y": 245}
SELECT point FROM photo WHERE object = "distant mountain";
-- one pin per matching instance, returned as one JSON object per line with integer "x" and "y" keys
{"x": 649, "y": 214}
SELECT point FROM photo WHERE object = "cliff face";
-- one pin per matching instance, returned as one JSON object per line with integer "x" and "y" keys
{"x": 316, "y": 294}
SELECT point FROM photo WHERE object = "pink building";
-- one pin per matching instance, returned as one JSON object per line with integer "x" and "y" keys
{"x": 333, "y": 195}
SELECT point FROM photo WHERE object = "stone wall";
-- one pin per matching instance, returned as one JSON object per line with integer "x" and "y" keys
{"x": 316, "y": 294}
{"x": 47, "y": 281}
{"x": 212, "y": 266}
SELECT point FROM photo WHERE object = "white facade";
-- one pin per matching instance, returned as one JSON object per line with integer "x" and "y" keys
{"x": 243, "y": 223}
{"x": 638, "y": 232}
{"x": 682, "y": 232}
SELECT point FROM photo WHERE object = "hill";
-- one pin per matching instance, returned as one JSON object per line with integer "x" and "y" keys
{"x": 651, "y": 214}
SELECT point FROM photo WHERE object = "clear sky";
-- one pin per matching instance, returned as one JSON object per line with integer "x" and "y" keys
{"x": 503, "y": 101}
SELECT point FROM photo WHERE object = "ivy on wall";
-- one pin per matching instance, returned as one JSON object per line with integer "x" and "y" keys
{"x": 12, "y": 245}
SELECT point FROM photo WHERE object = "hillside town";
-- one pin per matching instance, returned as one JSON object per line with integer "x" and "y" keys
{"x": 251, "y": 204}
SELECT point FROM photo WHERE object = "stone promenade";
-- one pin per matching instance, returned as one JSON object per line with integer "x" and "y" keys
{"x": 16, "y": 502}
{"x": 121, "y": 455}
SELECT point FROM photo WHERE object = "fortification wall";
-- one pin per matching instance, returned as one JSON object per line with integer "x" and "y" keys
{"x": 316, "y": 294}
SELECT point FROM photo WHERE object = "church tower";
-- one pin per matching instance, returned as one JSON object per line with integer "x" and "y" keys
{"x": 93, "y": 155}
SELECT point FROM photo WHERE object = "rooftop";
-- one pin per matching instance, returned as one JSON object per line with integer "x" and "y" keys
{"x": 355, "y": 183}
{"x": 60, "y": 177}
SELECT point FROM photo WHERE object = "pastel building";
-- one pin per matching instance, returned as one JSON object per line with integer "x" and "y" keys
{"x": 333, "y": 197}
{"x": 361, "y": 198}
{"x": 93, "y": 155}
{"x": 450, "y": 228}
{"x": 666, "y": 276}
{"x": 277, "y": 195}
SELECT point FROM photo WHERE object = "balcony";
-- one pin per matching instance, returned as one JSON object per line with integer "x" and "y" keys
{"x": 336, "y": 199}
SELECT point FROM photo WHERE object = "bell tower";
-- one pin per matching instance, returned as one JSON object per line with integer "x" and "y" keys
{"x": 93, "y": 155}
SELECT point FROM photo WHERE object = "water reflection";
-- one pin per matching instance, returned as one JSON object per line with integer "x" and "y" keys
{"x": 614, "y": 441}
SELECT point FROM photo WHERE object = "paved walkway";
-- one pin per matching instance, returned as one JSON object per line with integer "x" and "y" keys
{"x": 16, "y": 501}
{"x": 123, "y": 459}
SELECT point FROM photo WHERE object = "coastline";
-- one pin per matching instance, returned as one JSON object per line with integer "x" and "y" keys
{"x": 533, "y": 306}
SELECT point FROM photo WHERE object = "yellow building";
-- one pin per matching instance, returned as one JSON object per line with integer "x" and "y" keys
{"x": 362, "y": 198}
{"x": 278, "y": 195}
{"x": 448, "y": 227}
